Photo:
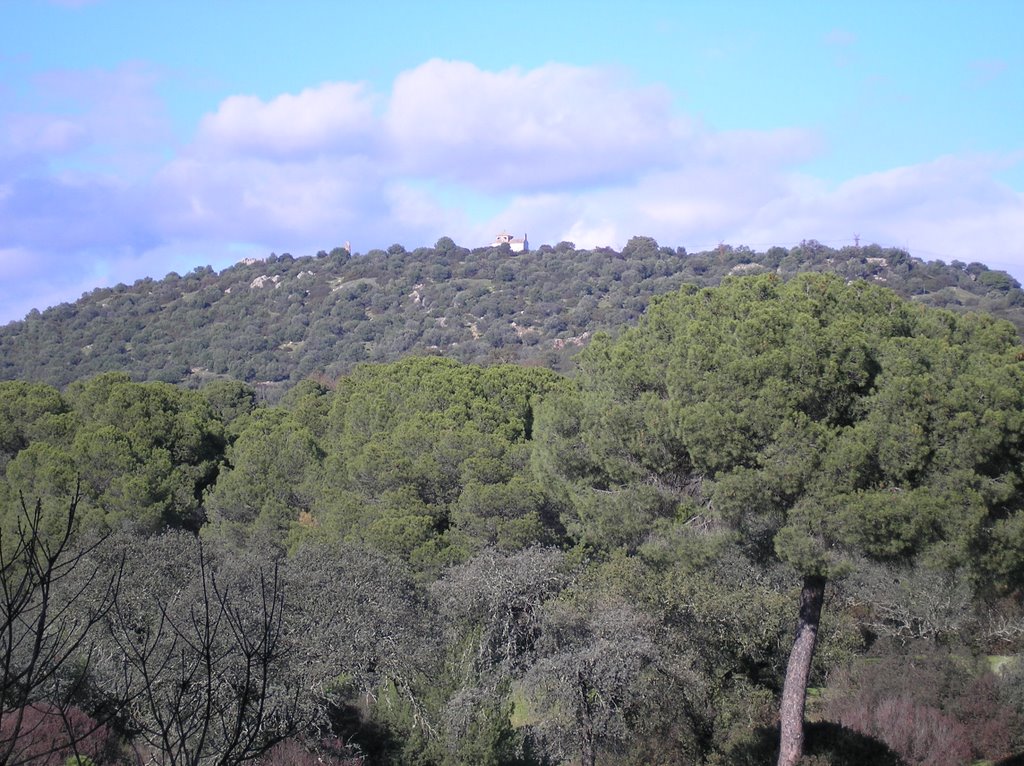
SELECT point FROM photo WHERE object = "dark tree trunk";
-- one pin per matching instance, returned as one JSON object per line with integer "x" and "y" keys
{"x": 794, "y": 692}
{"x": 588, "y": 749}
{"x": 589, "y": 754}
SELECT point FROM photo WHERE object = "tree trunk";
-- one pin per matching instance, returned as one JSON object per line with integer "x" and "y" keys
{"x": 794, "y": 692}
{"x": 588, "y": 749}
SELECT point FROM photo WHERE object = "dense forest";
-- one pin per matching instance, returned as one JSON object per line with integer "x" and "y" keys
{"x": 281, "y": 320}
{"x": 430, "y": 545}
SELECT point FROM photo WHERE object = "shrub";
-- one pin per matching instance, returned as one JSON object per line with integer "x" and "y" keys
{"x": 826, "y": 744}
{"x": 921, "y": 734}
{"x": 329, "y": 752}
{"x": 48, "y": 736}
{"x": 932, "y": 708}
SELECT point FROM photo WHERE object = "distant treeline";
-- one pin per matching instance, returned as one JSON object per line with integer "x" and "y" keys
{"x": 280, "y": 320}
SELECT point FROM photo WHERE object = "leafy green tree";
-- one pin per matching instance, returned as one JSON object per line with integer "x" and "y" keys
{"x": 271, "y": 480}
{"x": 46, "y": 473}
{"x": 146, "y": 452}
{"x": 445, "y": 245}
{"x": 230, "y": 401}
{"x": 324, "y": 315}
{"x": 512, "y": 515}
{"x": 29, "y": 412}
{"x": 405, "y": 441}
{"x": 309, "y": 404}
{"x": 817, "y": 420}
{"x": 640, "y": 247}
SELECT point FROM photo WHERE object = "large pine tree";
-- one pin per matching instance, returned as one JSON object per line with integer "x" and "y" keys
{"x": 819, "y": 421}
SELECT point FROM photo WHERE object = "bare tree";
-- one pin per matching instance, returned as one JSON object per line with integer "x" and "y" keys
{"x": 492, "y": 610}
{"x": 360, "y": 615}
{"x": 592, "y": 672}
{"x": 52, "y": 597}
{"x": 499, "y": 598}
{"x": 202, "y": 659}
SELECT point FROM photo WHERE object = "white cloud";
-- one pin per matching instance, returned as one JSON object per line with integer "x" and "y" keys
{"x": 419, "y": 214}
{"x": 114, "y": 106}
{"x": 43, "y": 280}
{"x": 334, "y": 117}
{"x": 15, "y": 263}
{"x": 951, "y": 208}
{"x": 252, "y": 198}
{"x": 840, "y": 38}
{"x": 554, "y": 126}
{"x": 719, "y": 180}
{"x": 39, "y": 134}
{"x": 83, "y": 128}
{"x": 556, "y": 152}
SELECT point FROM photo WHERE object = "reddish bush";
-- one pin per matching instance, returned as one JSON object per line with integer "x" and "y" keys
{"x": 931, "y": 709}
{"x": 994, "y": 725}
{"x": 47, "y": 736}
{"x": 918, "y": 733}
{"x": 331, "y": 752}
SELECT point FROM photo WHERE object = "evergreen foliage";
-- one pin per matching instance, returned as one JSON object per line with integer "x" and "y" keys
{"x": 277, "y": 321}
{"x": 426, "y": 561}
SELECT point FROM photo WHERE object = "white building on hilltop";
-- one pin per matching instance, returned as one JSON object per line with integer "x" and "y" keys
{"x": 518, "y": 244}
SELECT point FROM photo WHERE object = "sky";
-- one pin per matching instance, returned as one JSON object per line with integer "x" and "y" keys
{"x": 139, "y": 137}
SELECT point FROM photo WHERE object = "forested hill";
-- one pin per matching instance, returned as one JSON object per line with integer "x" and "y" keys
{"x": 284, "y": 318}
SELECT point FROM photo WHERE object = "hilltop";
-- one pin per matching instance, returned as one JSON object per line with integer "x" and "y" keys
{"x": 278, "y": 320}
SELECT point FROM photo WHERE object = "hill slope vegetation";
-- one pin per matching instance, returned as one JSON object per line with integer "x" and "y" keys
{"x": 279, "y": 320}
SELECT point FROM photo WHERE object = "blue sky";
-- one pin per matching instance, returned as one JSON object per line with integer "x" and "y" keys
{"x": 139, "y": 138}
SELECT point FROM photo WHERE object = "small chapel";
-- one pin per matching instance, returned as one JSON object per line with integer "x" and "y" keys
{"x": 518, "y": 244}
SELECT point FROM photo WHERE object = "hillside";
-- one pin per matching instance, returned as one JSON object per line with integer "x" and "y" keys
{"x": 281, "y": 319}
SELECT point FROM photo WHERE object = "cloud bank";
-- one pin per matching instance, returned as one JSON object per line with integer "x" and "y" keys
{"x": 93, "y": 190}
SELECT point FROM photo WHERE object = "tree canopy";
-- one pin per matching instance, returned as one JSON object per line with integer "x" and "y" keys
{"x": 433, "y": 562}
{"x": 818, "y": 421}
{"x": 815, "y": 418}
